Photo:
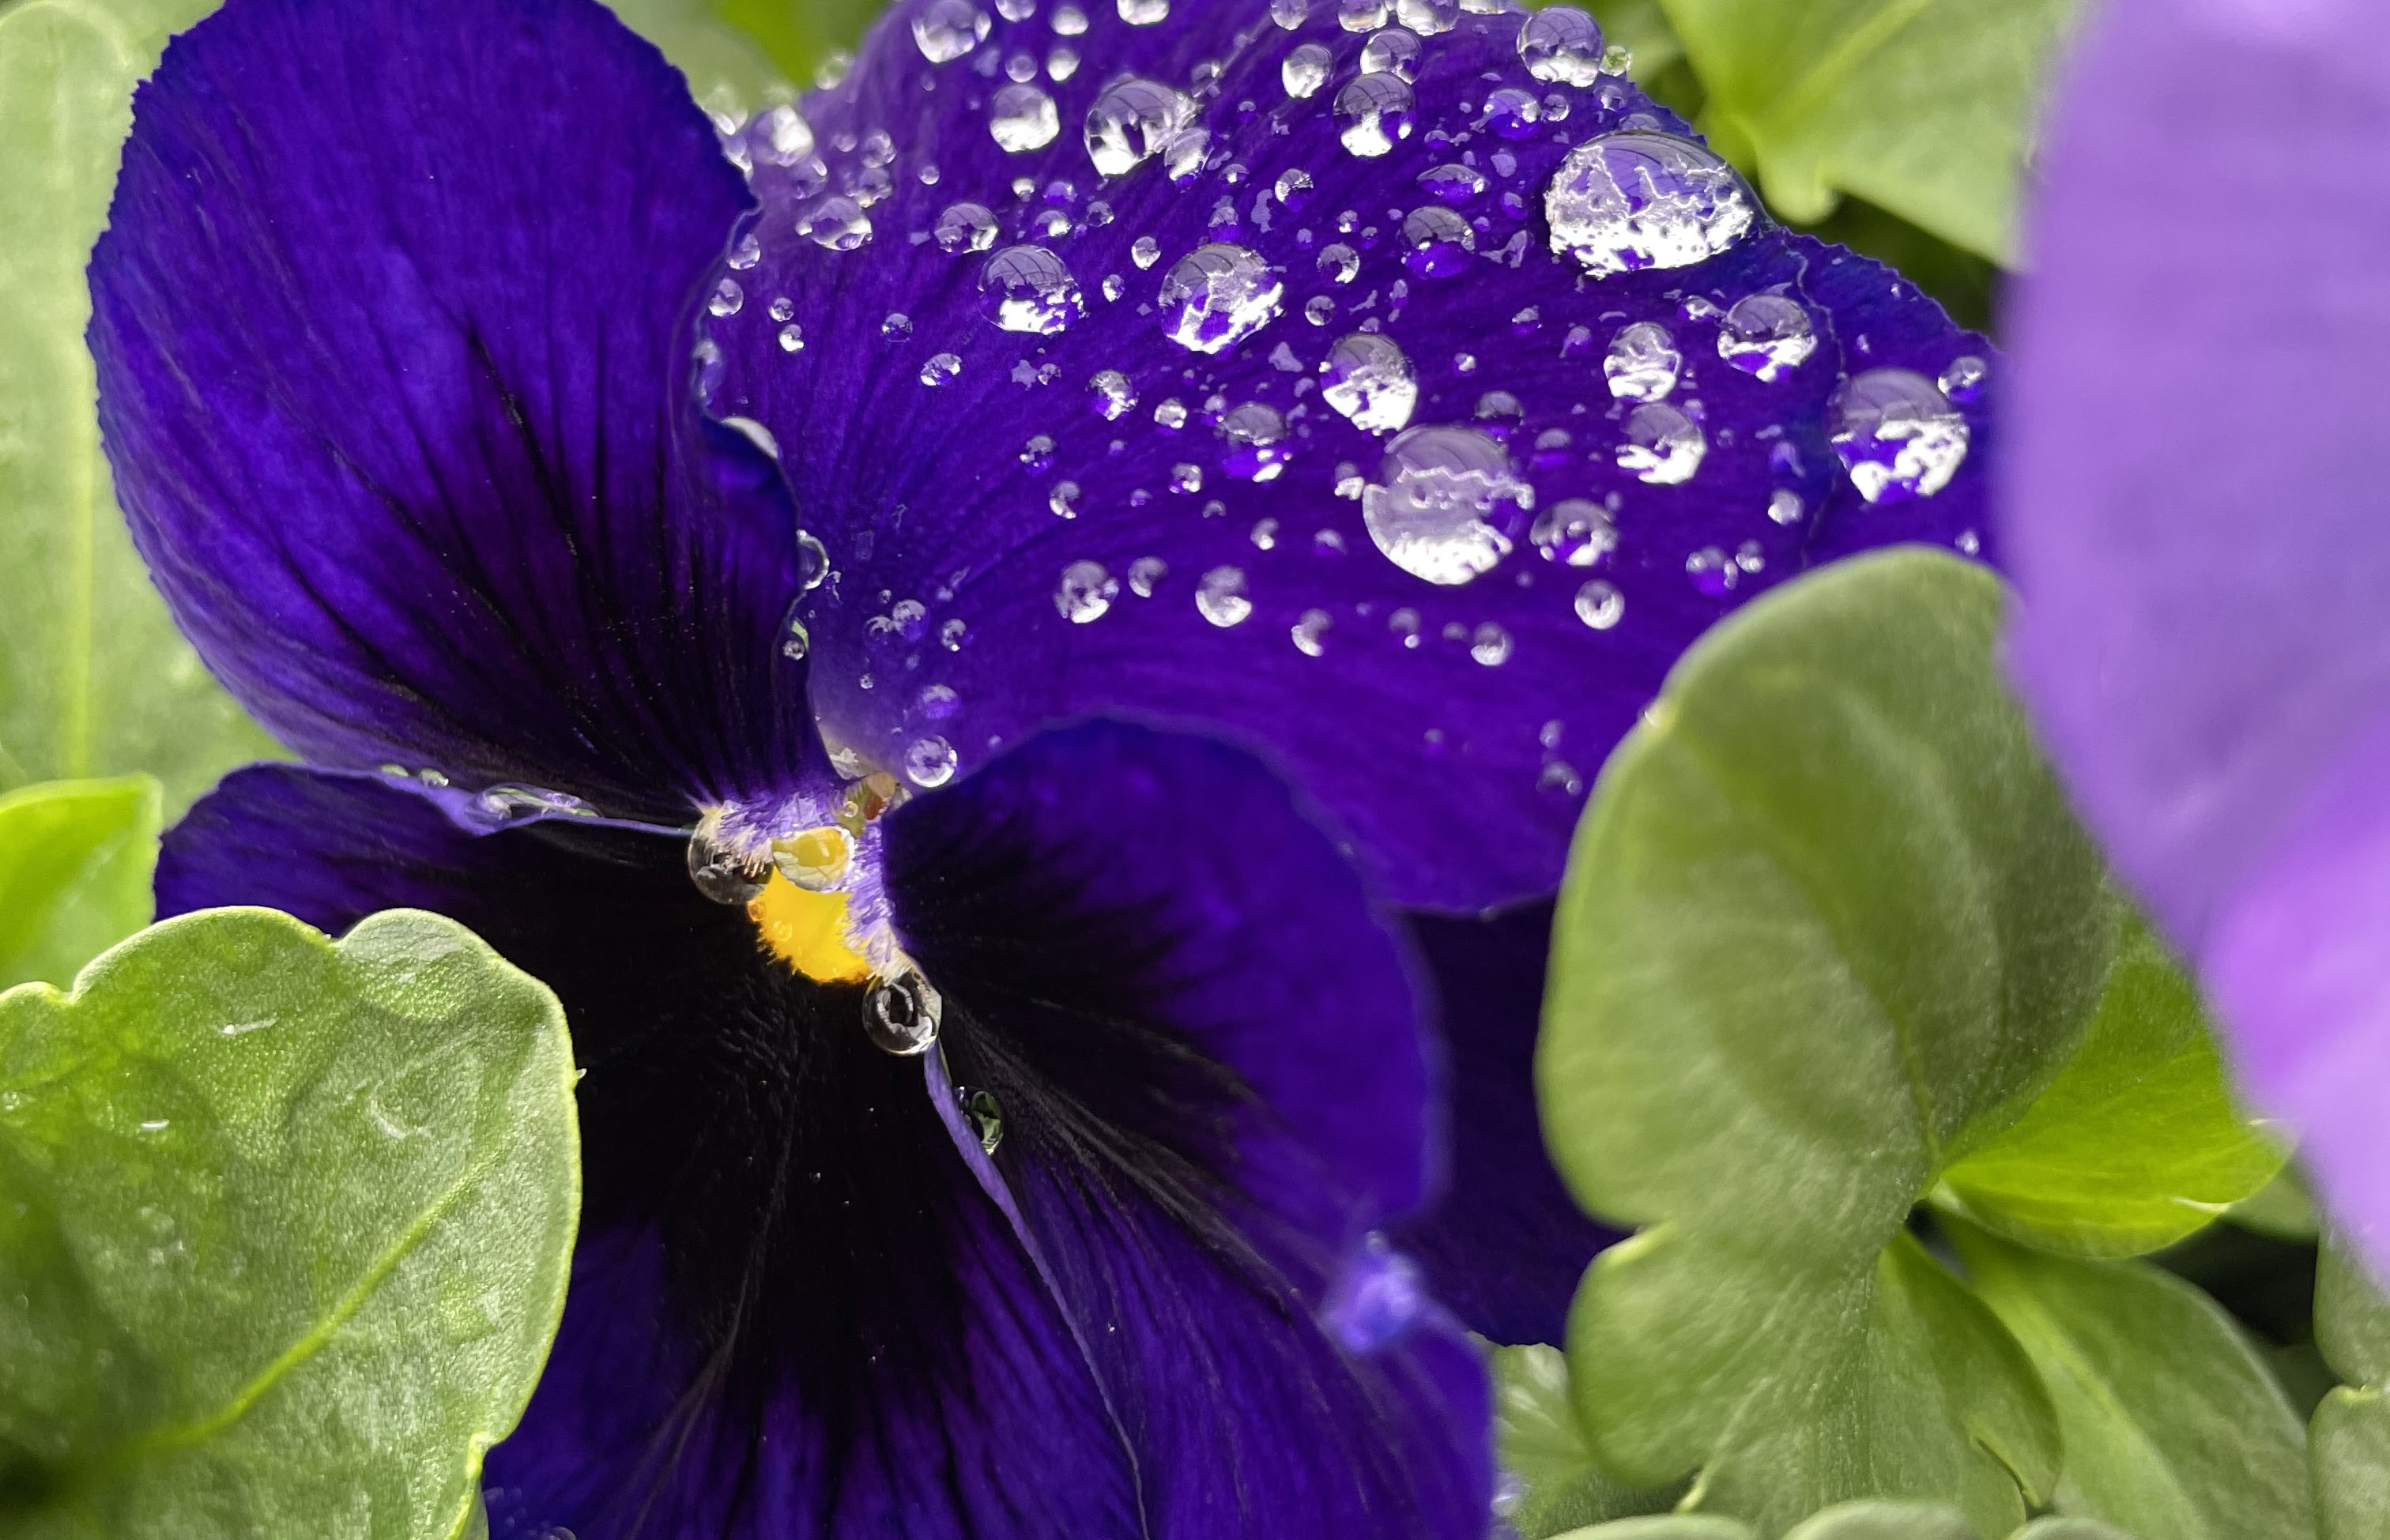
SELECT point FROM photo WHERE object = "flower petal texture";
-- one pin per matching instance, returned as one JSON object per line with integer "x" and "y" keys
{"x": 396, "y": 380}
{"x": 804, "y": 1306}
{"x": 2193, "y": 513}
{"x": 1396, "y": 401}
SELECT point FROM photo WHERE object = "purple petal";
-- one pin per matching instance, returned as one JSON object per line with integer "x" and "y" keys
{"x": 1213, "y": 1089}
{"x": 392, "y": 328}
{"x": 1503, "y": 1244}
{"x": 1008, "y": 552}
{"x": 2193, "y": 507}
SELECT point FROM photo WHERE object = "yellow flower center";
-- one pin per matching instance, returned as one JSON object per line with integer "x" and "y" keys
{"x": 807, "y": 931}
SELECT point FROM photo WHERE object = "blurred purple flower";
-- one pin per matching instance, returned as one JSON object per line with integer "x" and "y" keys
{"x": 2194, "y": 507}
{"x": 1267, "y": 397}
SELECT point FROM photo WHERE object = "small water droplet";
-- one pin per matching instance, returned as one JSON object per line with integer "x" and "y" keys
{"x": 1218, "y": 296}
{"x": 1144, "y": 13}
{"x": 1374, "y": 113}
{"x": 1963, "y": 381}
{"x": 1290, "y": 13}
{"x": 1643, "y": 363}
{"x": 1627, "y": 202}
{"x": 1145, "y": 252}
{"x": 1575, "y": 533}
{"x": 1378, "y": 1297}
{"x": 1220, "y": 597}
{"x": 1145, "y": 574}
{"x": 1064, "y": 500}
{"x": 896, "y": 327}
{"x": 1023, "y": 118}
{"x": 727, "y": 298}
{"x": 1257, "y": 442}
{"x": 1512, "y": 115}
{"x": 985, "y": 1115}
{"x": 965, "y": 227}
{"x": 793, "y": 337}
{"x": 947, "y": 29}
{"x": 1085, "y": 592}
{"x": 1340, "y": 263}
{"x": 1898, "y": 434}
{"x": 1370, "y": 380}
{"x": 1070, "y": 20}
{"x": 1114, "y": 396}
{"x": 1028, "y": 289}
{"x": 1490, "y": 645}
{"x": 1428, "y": 18}
{"x": 929, "y": 761}
{"x": 900, "y": 1015}
{"x": 1306, "y": 68}
{"x": 1437, "y": 242}
{"x": 1445, "y": 503}
{"x": 1395, "y": 52}
{"x": 1766, "y": 335}
{"x": 1310, "y": 632}
{"x": 1785, "y": 508}
{"x": 1453, "y": 183}
{"x": 722, "y": 873}
{"x": 1562, "y": 44}
{"x": 1293, "y": 188}
{"x": 1133, "y": 120}
{"x": 941, "y": 368}
{"x": 1600, "y": 605}
{"x": 1714, "y": 573}
{"x": 837, "y": 224}
{"x": 1361, "y": 16}
{"x": 1663, "y": 447}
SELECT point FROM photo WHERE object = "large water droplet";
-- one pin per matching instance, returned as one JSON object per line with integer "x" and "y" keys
{"x": 817, "y": 859}
{"x": 1643, "y": 363}
{"x": 1133, "y": 120}
{"x": 1144, "y": 13}
{"x": 1220, "y": 597}
{"x": 1394, "y": 52}
{"x": 1085, "y": 592}
{"x": 1023, "y": 118}
{"x": 1373, "y": 113}
{"x": 1305, "y": 69}
{"x": 1428, "y": 18}
{"x": 1029, "y": 288}
{"x": 900, "y": 1015}
{"x": 1257, "y": 442}
{"x": 1627, "y": 201}
{"x": 1600, "y": 605}
{"x": 1664, "y": 446}
{"x": 1363, "y": 15}
{"x": 1898, "y": 434}
{"x": 722, "y": 873}
{"x": 929, "y": 761}
{"x": 1766, "y": 335}
{"x": 1562, "y": 44}
{"x": 965, "y": 227}
{"x": 1445, "y": 503}
{"x": 1436, "y": 242}
{"x": 1290, "y": 13}
{"x": 947, "y": 29}
{"x": 1218, "y": 296}
{"x": 1370, "y": 381}
{"x": 1575, "y": 533}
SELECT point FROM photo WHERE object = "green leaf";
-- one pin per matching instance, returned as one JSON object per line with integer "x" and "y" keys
{"x": 284, "y": 1230}
{"x": 2281, "y": 1208}
{"x": 800, "y": 37}
{"x": 2173, "y": 1427}
{"x": 1666, "y": 1526}
{"x": 2352, "y": 1317}
{"x": 94, "y": 678}
{"x": 75, "y": 859}
{"x": 2348, "y": 1454}
{"x": 2069, "y": 1527}
{"x": 2137, "y": 1143}
{"x": 1828, "y": 926}
{"x": 1925, "y": 107}
{"x": 1539, "y": 1446}
{"x": 730, "y": 73}
{"x": 1877, "y": 1520}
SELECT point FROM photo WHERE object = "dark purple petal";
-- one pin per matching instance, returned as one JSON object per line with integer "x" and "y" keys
{"x": 1503, "y": 1244}
{"x": 392, "y": 321}
{"x": 1213, "y": 1088}
{"x": 794, "y": 1313}
{"x": 2195, "y": 508}
{"x": 1006, "y": 553}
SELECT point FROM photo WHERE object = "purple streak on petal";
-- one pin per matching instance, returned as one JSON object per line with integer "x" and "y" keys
{"x": 393, "y": 321}
{"x": 1503, "y": 1244}
{"x": 1214, "y": 1087}
{"x": 969, "y": 609}
{"x": 793, "y": 1311}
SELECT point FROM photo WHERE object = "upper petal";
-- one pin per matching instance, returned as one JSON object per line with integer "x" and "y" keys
{"x": 1068, "y": 439}
{"x": 1212, "y": 1087}
{"x": 392, "y": 323}
{"x": 2194, "y": 506}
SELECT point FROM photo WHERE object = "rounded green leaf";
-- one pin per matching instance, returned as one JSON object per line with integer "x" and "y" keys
{"x": 2062, "y": 1526}
{"x": 2173, "y": 1426}
{"x": 2137, "y": 1143}
{"x": 2352, "y": 1316}
{"x": 75, "y": 861}
{"x": 284, "y": 1229}
{"x": 1551, "y": 1481}
{"x": 1877, "y": 1520}
{"x": 2348, "y": 1454}
{"x": 1666, "y": 1526}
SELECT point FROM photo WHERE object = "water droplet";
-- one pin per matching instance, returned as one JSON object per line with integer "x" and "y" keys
{"x": 947, "y": 30}
{"x": 1627, "y": 201}
{"x": 1373, "y": 113}
{"x": 985, "y": 1115}
{"x": 929, "y": 761}
{"x": 1070, "y": 20}
{"x": 1490, "y": 645}
{"x": 1016, "y": 10}
{"x": 1145, "y": 574}
{"x": 1575, "y": 533}
{"x": 1394, "y": 52}
{"x": 895, "y": 327}
{"x": 1171, "y": 416}
{"x": 787, "y": 133}
{"x": 722, "y": 873}
{"x": 1380, "y": 1294}
{"x": 1362, "y": 16}
{"x": 1437, "y": 242}
{"x": 1371, "y": 382}
{"x": 1064, "y": 500}
{"x": 1028, "y": 289}
{"x": 1428, "y": 18}
{"x": 1785, "y": 508}
{"x": 1257, "y": 442}
{"x": 1305, "y": 69}
{"x": 1663, "y": 447}
{"x": 816, "y": 860}
{"x": 1132, "y": 122}
{"x": 1186, "y": 480}
{"x": 1293, "y": 188}
{"x": 1340, "y": 263}
{"x": 1023, "y": 118}
{"x": 1085, "y": 592}
{"x": 1713, "y": 571}
{"x": 950, "y": 635}
{"x": 1144, "y": 13}
{"x": 727, "y": 298}
{"x": 1114, "y": 396}
{"x": 793, "y": 337}
{"x": 1898, "y": 434}
{"x": 1038, "y": 453}
{"x": 1145, "y": 252}
{"x": 900, "y": 1015}
{"x": 1310, "y": 632}
{"x": 1643, "y": 363}
{"x": 1512, "y": 113}
{"x": 1220, "y": 597}
{"x": 1963, "y": 381}
{"x": 1562, "y": 44}
{"x": 939, "y": 369}
{"x": 1600, "y": 605}
{"x": 1617, "y": 59}
{"x": 1453, "y": 183}
{"x": 1062, "y": 63}
{"x": 1766, "y": 335}
{"x": 1218, "y": 296}
{"x": 1445, "y": 504}
{"x": 242, "y": 1029}
{"x": 965, "y": 227}
{"x": 837, "y": 224}
{"x": 1290, "y": 13}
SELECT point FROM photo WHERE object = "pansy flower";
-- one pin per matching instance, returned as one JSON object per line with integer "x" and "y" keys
{"x": 1008, "y": 1106}
{"x": 2195, "y": 504}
